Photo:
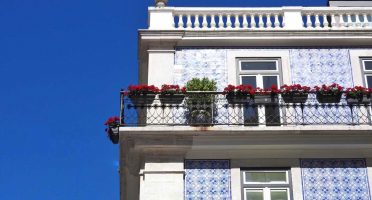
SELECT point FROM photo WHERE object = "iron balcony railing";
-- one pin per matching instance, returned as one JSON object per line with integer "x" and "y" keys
{"x": 212, "y": 108}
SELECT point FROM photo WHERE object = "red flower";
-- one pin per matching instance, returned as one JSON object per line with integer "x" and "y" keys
{"x": 295, "y": 88}
{"x": 172, "y": 89}
{"x": 142, "y": 89}
{"x": 112, "y": 121}
{"x": 333, "y": 89}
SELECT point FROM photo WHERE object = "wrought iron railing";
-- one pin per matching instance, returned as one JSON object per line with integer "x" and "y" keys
{"x": 217, "y": 111}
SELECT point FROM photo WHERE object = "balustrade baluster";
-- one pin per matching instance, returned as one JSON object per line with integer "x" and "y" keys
{"x": 325, "y": 21}
{"x": 268, "y": 21}
{"x": 196, "y": 22}
{"x": 260, "y": 21}
{"x": 237, "y": 22}
{"x": 253, "y": 21}
{"x": 245, "y": 22}
{"x": 189, "y": 23}
{"x": 180, "y": 21}
{"x": 213, "y": 22}
{"x": 308, "y": 21}
{"x": 349, "y": 21}
{"x": 228, "y": 21}
{"x": 357, "y": 20}
{"x": 220, "y": 21}
{"x": 276, "y": 21}
{"x": 205, "y": 22}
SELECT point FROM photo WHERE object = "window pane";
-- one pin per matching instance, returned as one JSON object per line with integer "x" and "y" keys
{"x": 251, "y": 80}
{"x": 254, "y": 194}
{"x": 266, "y": 177}
{"x": 368, "y": 64}
{"x": 255, "y": 176}
{"x": 369, "y": 81}
{"x": 279, "y": 194}
{"x": 258, "y": 65}
{"x": 268, "y": 81}
{"x": 276, "y": 177}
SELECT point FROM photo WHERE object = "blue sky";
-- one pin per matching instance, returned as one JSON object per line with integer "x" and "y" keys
{"x": 62, "y": 64}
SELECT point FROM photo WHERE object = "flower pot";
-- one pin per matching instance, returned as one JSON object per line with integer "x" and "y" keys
{"x": 295, "y": 97}
{"x": 142, "y": 99}
{"x": 200, "y": 118}
{"x": 171, "y": 98}
{"x": 358, "y": 100}
{"x": 237, "y": 99}
{"x": 328, "y": 98}
{"x": 113, "y": 133}
{"x": 266, "y": 99}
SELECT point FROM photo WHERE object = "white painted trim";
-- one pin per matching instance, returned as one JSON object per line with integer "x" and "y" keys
{"x": 235, "y": 183}
{"x": 296, "y": 180}
{"x": 355, "y": 56}
{"x": 233, "y": 56}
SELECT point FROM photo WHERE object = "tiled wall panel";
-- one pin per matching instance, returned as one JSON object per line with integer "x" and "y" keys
{"x": 207, "y": 179}
{"x": 334, "y": 179}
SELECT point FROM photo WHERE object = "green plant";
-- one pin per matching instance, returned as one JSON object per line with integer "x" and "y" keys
{"x": 204, "y": 84}
{"x": 197, "y": 84}
{"x": 200, "y": 104}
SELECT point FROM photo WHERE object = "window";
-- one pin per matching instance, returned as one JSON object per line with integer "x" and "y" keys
{"x": 367, "y": 70}
{"x": 266, "y": 184}
{"x": 261, "y": 73}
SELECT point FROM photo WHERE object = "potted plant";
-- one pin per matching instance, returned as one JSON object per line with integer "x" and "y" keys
{"x": 142, "y": 94}
{"x": 329, "y": 93}
{"x": 161, "y": 3}
{"x": 294, "y": 93}
{"x": 112, "y": 129}
{"x": 172, "y": 94}
{"x": 358, "y": 95}
{"x": 200, "y": 104}
{"x": 267, "y": 95}
{"x": 240, "y": 94}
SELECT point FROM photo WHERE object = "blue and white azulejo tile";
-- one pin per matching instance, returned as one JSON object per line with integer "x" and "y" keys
{"x": 207, "y": 180}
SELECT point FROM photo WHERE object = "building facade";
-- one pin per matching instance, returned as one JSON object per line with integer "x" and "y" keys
{"x": 284, "y": 151}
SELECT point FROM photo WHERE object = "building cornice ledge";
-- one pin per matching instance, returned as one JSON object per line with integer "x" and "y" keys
{"x": 243, "y": 130}
{"x": 246, "y": 38}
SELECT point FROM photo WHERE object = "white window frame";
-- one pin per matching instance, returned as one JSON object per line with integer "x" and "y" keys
{"x": 366, "y": 73}
{"x": 258, "y": 60}
{"x": 267, "y": 192}
{"x": 267, "y": 187}
{"x": 268, "y": 171}
{"x": 364, "y": 65}
{"x": 234, "y": 56}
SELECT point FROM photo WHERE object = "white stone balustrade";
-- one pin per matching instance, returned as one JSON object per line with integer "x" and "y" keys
{"x": 281, "y": 18}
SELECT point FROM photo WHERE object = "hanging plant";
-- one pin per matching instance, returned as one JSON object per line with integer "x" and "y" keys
{"x": 112, "y": 129}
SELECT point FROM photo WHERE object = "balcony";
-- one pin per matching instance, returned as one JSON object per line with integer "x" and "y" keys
{"x": 219, "y": 112}
{"x": 263, "y": 19}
